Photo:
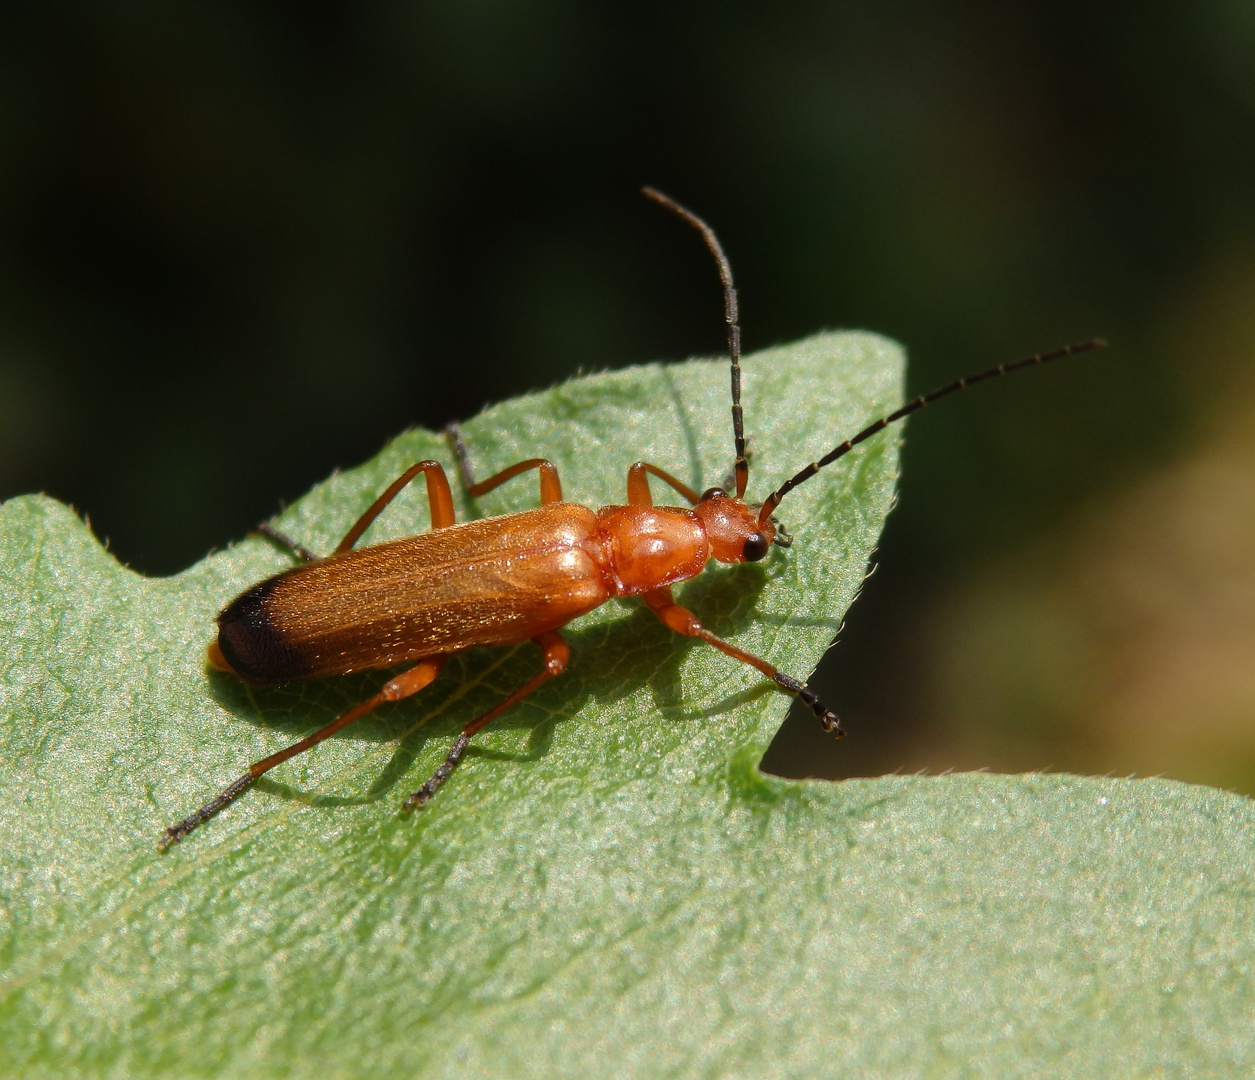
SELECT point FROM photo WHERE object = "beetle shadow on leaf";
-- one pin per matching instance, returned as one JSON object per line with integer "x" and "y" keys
{"x": 470, "y": 684}
{"x": 299, "y": 709}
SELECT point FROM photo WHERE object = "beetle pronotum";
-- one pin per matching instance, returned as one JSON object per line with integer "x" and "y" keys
{"x": 509, "y": 579}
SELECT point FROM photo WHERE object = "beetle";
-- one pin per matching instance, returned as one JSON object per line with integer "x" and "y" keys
{"x": 505, "y": 580}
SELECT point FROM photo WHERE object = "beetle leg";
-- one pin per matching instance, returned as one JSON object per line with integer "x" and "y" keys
{"x": 557, "y": 654}
{"x": 638, "y": 484}
{"x": 683, "y": 621}
{"x": 453, "y": 433}
{"x": 550, "y": 484}
{"x": 398, "y": 687}
{"x": 283, "y": 540}
{"x": 439, "y": 499}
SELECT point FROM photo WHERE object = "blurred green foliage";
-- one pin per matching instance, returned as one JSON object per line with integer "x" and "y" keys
{"x": 241, "y": 245}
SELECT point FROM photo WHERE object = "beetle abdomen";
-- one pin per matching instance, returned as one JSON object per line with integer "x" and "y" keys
{"x": 255, "y": 648}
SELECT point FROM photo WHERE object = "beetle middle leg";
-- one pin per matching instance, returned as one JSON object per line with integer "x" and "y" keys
{"x": 550, "y": 484}
{"x": 682, "y": 621}
{"x": 406, "y": 684}
{"x": 557, "y": 655}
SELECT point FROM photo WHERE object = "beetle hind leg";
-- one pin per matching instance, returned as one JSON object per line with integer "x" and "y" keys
{"x": 397, "y": 688}
{"x": 557, "y": 655}
{"x": 302, "y": 553}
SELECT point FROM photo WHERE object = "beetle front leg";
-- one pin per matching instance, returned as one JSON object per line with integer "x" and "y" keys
{"x": 683, "y": 621}
{"x": 557, "y": 655}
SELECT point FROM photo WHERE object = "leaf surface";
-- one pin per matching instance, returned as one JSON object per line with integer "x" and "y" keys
{"x": 608, "y": 886}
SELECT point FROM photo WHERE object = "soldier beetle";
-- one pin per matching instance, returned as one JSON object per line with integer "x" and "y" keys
{"x": 518, "y": 577}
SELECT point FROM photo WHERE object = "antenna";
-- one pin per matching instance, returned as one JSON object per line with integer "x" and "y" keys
{"x": 773, "y": 500}
{"x": 741, "y": 467}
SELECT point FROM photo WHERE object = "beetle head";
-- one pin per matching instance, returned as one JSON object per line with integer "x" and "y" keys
{"x": 733, "y": 528}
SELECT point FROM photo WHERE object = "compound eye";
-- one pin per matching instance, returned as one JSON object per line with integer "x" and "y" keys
{"x": 756, "y": 547}
{"x": 714, "y": 493}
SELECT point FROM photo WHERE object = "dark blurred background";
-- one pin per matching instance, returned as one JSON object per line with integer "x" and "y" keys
{"x": 243, "y": 244}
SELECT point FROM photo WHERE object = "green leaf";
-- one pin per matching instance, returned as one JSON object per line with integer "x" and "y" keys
{"x": 608, "y": 886}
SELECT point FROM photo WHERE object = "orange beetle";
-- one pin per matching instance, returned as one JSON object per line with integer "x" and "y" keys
{"x": 509, "y": 579}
